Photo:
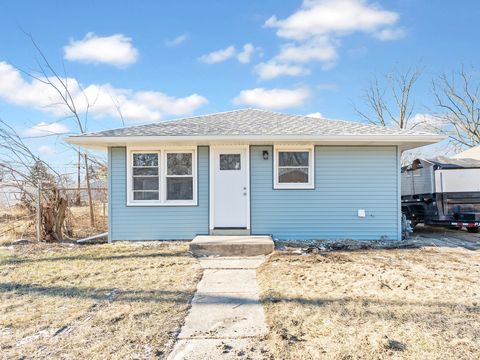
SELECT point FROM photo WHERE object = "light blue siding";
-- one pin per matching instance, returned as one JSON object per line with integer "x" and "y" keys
{"x": 154, "y": 222}
{"x": 346, "y": 179}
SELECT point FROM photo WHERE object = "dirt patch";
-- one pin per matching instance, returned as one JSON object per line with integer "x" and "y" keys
{"x": 96, "y": 302}
{"x": 371, "y": 304}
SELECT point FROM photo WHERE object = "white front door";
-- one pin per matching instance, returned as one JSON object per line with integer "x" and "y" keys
{"x": 230, "y": 187}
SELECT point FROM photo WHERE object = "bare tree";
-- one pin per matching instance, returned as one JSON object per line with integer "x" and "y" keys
{"x": 50, "y": 77}
{"x": 29, "y": 173}
{"x": 458, "y": 99}
{"x": 390, "y": 102}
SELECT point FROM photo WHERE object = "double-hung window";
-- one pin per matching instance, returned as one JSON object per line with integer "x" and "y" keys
{"x": 179, "y": 177}
{"x": 162, "y": 177}
{"x": 145, "y": 176}
{"x": 293, "y": 168}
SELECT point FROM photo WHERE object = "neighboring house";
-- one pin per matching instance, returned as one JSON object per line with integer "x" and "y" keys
{"x": 472, "y": 153}
{"x": 254, "y": 172}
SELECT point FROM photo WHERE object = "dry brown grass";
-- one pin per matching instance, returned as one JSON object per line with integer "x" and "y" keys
{"x": 16, "y": 223}
{"x": 373, "y": 304}
{"x": 93, "y": 302}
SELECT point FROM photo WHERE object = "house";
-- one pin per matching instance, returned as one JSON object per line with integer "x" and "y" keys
{"x": 254, "y": 172}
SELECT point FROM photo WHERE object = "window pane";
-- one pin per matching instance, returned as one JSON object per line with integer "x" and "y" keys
{"x": 229, "y": 161}
{"x": 180, "y": 188}
{"x": 145, "y": 183}
{"x": 179, "y": 164}
{"x": 293, "y": 175}
{"x": 145, "y": 195}
{"x": 145, "y": 171}
{"x": 145, "y": 159}
{"x": 296, "y": 158}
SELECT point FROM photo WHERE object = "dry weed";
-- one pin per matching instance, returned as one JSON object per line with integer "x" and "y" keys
{"x": 373, "y": 304}
{"x": 93, "y": 302}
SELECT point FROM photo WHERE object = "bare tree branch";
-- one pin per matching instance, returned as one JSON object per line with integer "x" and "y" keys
{"x": 391, "y": 103}
{"x": 457, "y": 98}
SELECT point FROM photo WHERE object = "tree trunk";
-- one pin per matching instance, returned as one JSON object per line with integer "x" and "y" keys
{"x": 53, "y": 215}
{"x": 89, "y": 190}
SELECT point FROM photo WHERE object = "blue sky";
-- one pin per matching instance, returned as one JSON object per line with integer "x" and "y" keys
{"x": 166, "y": 59}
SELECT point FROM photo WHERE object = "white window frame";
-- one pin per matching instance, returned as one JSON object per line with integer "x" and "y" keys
{"x": 311, "y": 167}
{"x": 193, "y": 176}
{"x": 162, "y": 162}
{"x": 131, "y": 178}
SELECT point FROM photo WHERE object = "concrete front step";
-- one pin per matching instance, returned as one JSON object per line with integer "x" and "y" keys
{"x": 231, "y": 245}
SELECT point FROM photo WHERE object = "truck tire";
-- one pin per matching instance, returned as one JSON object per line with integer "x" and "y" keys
{"x": 472, "y": 229}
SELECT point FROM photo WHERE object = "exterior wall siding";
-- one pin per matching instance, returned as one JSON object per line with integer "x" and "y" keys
{"x": 154, "y": 222}
{"x": 347, "y": 178}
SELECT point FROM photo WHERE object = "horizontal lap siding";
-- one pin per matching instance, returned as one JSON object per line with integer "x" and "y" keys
{"x": 346, "y": 179}
{"x": 155, "y": 222}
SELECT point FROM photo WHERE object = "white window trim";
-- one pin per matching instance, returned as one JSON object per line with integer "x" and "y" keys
{"x": 130, "y": 177}
{"x": 162, "y": 161}
{"x": 311, "y": 167}
{"x": 193, "y": 176}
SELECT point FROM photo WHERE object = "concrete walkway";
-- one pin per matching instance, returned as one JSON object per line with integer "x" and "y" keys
{"x": 226, "y": 316}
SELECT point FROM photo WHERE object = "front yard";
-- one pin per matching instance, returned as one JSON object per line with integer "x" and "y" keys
{"x": 129, "y": 300}
{"x": 373, "y": 304}
{"x": 93, "y": 302}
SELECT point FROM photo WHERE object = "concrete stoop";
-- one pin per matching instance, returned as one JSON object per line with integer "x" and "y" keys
{"x": 231, "y": 245}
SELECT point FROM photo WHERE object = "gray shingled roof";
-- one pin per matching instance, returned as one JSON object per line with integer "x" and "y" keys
{"x": 251, "y": 122}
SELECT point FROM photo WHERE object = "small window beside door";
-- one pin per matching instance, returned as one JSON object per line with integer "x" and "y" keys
{"x": 230, "y": 162}
{"x": 293, "y": 168}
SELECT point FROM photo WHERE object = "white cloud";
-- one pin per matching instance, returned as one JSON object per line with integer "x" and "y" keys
{"x": 319, "y": 49}
{"x": 272, "y": 69}
{"x": 218, "y": 55}
{"x": 390, "y": 34}
{"x": 103, "y": 98}
{"x": 245, "y": 56}
{"x": 46, "y": 149}
{"x": 116, "y": 50}
{"x": 46, "y": 129}
{"x": 314, "y": 30}
{"x": 317, "y": 115}
{"x": 272, "y": 98}
{"x": 326, "y": 17}
{"x": 177, "y": 40}
{"x": 426, "y": 122}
